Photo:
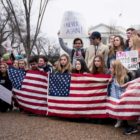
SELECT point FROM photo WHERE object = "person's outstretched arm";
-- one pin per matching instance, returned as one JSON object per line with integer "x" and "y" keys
{"x": 64, "y": 47}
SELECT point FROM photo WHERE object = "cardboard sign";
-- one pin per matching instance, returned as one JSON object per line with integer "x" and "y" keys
{"x": 5, "y": 94}
{"x": 129, "y": 59}
{"x": 73, "y": 25}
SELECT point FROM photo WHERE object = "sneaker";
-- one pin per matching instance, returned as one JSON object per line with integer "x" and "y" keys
{"x": 130, "y": 130}
{"x": 118, "y": 124}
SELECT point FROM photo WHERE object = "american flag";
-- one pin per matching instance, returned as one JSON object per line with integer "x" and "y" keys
{"x": 128, "y": 106}
{"x": 16, "y": 76}
{"x": 86, "y": 97}
{"x": 33, "y": 93}
{"x": 76, "y": 96}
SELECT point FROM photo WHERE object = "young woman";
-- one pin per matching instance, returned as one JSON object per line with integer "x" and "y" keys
{"x": 55, "y": 65}
{"x": 111, "y": 41}
{"x": 118, "y": 45}
{"x": 134, "y": 44}
{"x": 4, "y": 81}
{"x": 99, "y": 65}
{"x": 120, "y": 75}
{"x": 80, "y": 67}
{"x": 64, "y": 64}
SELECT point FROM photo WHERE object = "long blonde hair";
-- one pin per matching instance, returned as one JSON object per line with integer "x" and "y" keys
{"x": 68, "y": 66}
{"x": 135, "y": 42}
{"x": 120, "y": 72}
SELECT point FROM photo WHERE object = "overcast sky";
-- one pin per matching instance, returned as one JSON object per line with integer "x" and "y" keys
{"x": 122, "y": 12}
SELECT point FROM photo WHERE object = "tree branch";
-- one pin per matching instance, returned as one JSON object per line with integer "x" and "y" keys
{"x": 10, "y": 5}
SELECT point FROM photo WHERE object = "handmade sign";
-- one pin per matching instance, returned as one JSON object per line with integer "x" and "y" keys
{"x": 73, "y": 25}
{"x": 5, "y": 94}
{"x": 129, "y": 59}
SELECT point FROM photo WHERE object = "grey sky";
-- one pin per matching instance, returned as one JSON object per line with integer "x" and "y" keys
{"x": 94, "y": 12}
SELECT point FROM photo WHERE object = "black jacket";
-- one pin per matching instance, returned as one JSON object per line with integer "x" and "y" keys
{"x": 5, "y": 81}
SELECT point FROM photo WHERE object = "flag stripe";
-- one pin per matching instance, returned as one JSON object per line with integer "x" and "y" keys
{"x": 40, "y": 85}
{"x": 64, "y": 115}
{"x": 87, "y": 95}
{"x": 31, "y": 100}
{"x": 86, "y": 82}
{"x": 87, "y": 88}
{"x": 88, "y": 91}
{"x": 29, "y": 106}
{"x": 78, "y": 98}
{"x": 33, "y": 94}
{"x": 32, "y": 103}
{"x": 30, "y": 92}
{"x": 34, "y": 110}
{"x": 77, "y": 105}
{"x": 77, "y": 109}
{"x": 31, "y": 97}
{"x": 33, "y": 88}
{"x": 124, "y": 103}
{"x": 87, "y": 112}
{"x": 76, "y": 102}
{"x": 38, "y": 80}
{"x": 122, "y": 110}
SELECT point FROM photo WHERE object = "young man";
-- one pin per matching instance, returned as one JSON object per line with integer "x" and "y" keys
{"x": 33, "y": 63}
{"x": 96, "y": 48}
{"x": 77, "y": 52}
{"x": 129, "y": 33}
{"x": 42, "y": 64}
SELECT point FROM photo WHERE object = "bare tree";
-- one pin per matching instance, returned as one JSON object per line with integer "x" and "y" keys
{"x": 8, "y": 28}
{"x": 46, "y": 46}
{"x": 3, "y": 32}
{"x": 26, "y": 39}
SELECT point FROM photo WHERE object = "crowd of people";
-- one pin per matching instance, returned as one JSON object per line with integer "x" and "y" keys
{"x": 98, "y": 58}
